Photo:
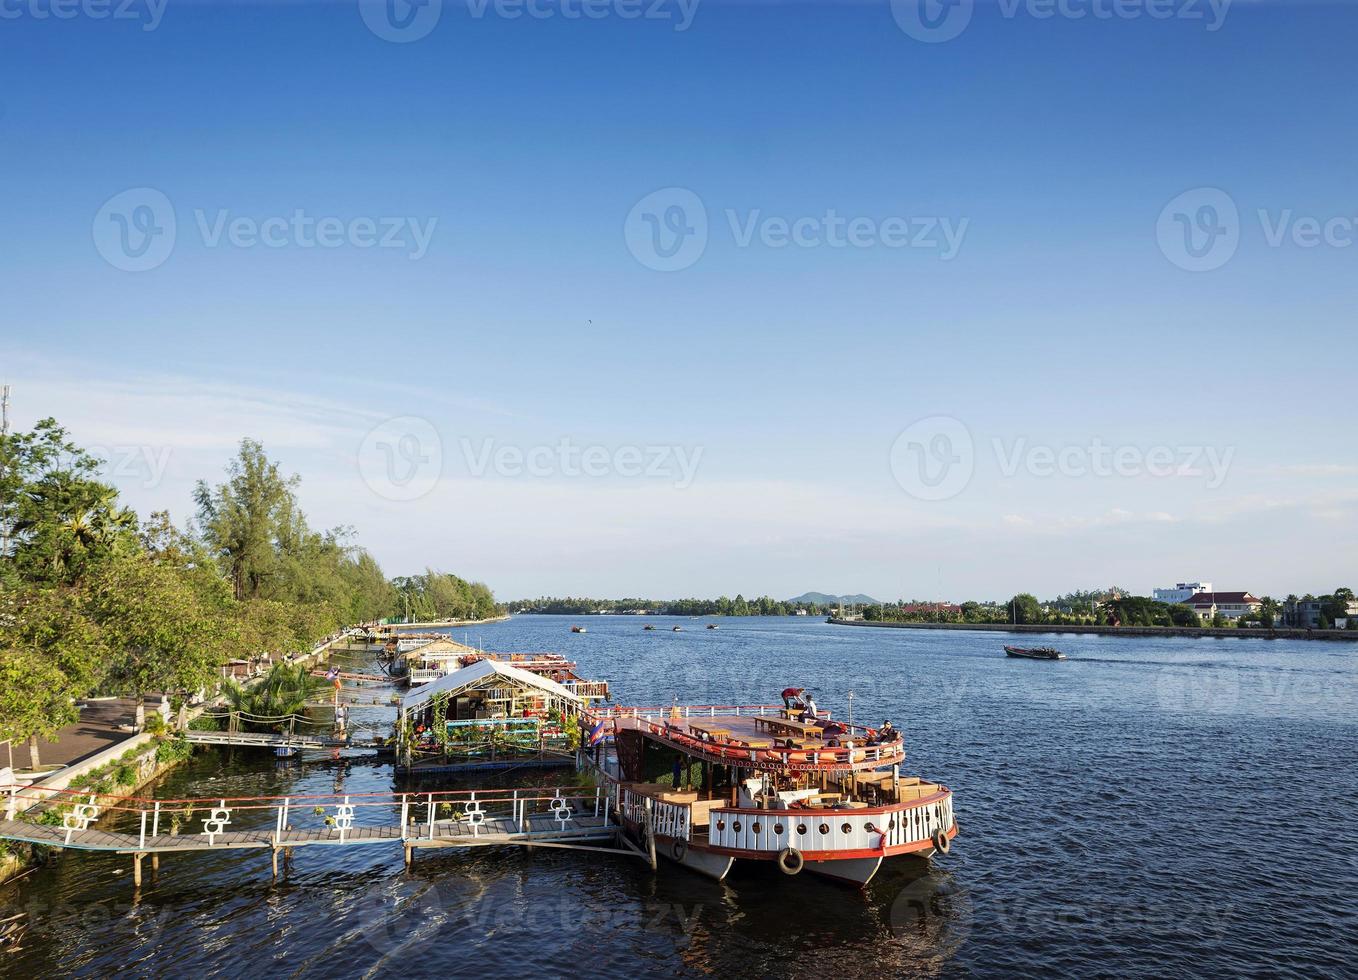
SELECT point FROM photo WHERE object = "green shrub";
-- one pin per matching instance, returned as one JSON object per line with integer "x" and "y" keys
{"x": 173, "y": 750}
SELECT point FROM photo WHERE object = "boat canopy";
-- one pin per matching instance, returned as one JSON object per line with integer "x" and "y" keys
{"x": 477, "y": 674}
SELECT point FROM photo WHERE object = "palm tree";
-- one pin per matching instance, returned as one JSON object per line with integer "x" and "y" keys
{"x": 283, "y": 691}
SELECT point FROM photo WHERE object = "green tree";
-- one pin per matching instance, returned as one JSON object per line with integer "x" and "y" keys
{"x": 1025, "y": 609}
{"x": 243, "y": 520}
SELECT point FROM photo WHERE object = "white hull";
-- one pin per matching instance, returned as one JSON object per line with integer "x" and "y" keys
{"x": 853, "y": 871}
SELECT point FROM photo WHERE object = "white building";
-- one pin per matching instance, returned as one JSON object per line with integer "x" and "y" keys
{"x": 1182, "y": 592}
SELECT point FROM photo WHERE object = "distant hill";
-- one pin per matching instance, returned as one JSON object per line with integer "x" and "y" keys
{"x": 822, "y": 599}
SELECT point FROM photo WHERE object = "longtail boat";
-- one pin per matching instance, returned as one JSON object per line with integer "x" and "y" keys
{"x": 1035, "y": 653}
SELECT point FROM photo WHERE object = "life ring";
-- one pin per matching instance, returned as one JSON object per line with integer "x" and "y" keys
{"x": 790, "y": 861}
{"x": 678, "y": 849}
{"x": 941, "y": 843}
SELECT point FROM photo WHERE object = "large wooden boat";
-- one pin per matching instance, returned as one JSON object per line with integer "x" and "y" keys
{"x": 713, "y": 785}
{"x": 1035, "y": 653}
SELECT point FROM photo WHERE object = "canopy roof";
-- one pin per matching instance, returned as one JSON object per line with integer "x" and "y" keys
{"x": 473, "y": 676}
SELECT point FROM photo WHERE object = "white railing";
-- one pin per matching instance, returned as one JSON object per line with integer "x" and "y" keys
{"x": 423, "y": 675}
{"x": 829, "y": 830}
{"x": 667, "y": 819}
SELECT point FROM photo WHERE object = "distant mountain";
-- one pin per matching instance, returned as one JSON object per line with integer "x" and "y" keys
{"x": 821, "y": 599}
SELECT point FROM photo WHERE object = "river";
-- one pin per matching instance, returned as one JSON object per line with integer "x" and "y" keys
{"x": 1148, "y": 807}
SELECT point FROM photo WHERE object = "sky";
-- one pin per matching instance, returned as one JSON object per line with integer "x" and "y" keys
{"x": 651, "y": 298}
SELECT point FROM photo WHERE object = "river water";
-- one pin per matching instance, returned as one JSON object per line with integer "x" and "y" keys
{"x": 1149, "y": 807}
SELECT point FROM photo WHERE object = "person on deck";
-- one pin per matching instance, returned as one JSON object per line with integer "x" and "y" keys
{"x": 793, "y": 694}
{"x": 809, "y": 711}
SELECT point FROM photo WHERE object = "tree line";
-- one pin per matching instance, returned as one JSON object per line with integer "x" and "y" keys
{"x": 95, "y": 601}
{"x": 723, "y": 606}
{"x": 1112, "y": 607}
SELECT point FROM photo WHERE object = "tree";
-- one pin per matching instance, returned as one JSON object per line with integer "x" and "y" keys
{"x": 1024, "y": 608}
{"x": 56, "y": 519}
{"x": 243, "y": 519}
{"x": 160, "y": 636}
{"x": 1183, "y": 615}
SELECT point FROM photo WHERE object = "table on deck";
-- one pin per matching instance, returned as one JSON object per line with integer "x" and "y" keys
{"x": 786, "y": 726}
{"x": 714, "y": 732}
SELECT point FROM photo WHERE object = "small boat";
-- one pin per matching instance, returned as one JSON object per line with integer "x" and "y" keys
{"x": 285, "y": 751}
{"x": 1035, "y": 653}
{"x": 678, "y": 629}
{"x": 713, "y": 626}
{"x": 648, "y": 627}
{"x": 579, "y": 629}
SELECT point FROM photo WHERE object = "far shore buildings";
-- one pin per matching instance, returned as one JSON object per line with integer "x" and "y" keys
{"x": 1182, "y": 592}
{"x": 1306, "y": 614}
{"x": 1232, "y": 605}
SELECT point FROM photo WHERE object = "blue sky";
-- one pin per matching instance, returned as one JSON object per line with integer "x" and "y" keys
{"x": 525, "y": 149}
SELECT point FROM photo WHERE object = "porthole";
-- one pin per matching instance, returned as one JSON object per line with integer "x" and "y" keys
{"x": 736, "y": 826}
{"x": 721, "y": 824}
{"x": 846, "y": 828}
{"x": 870, "y": 827}
{"x": 755, "y": 827}
{"x": 892, "y": 825}
{"x": 778, "y": 829}
{"x": 824, "y": 828}
{"x": 801, "y": 828}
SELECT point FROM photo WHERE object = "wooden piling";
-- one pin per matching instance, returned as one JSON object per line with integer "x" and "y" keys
{"x": 136, "y": 868}
{"x": 410, "y": 855}
{"x": 274, "y": 853}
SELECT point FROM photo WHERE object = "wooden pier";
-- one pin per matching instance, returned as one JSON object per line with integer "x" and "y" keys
{"x": 537, "y": 817}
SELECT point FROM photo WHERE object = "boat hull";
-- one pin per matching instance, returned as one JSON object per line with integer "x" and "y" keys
{"x": 852, "y": 871}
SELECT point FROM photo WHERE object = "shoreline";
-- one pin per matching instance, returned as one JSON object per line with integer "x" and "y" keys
{"x": 1243, "y": 633}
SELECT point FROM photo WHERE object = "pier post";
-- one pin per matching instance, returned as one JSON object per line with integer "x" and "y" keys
{"x": 273, "y": 852}
{"x": 136, "y": 868}
{"x": 155, "y": 865}
{"x": 410, "y": 855}
{"x": 650, "y": 834}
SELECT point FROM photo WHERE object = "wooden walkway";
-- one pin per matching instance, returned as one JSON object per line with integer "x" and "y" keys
{"x": 537, "y": 817}
{"x": 272, "y": 740}
{"x": 444, "y": 833}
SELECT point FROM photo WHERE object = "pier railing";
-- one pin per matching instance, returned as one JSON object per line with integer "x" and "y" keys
{"x": 280, "y": 821}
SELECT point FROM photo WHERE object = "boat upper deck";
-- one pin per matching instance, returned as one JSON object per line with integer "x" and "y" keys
{"x": 757, "y": 737}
